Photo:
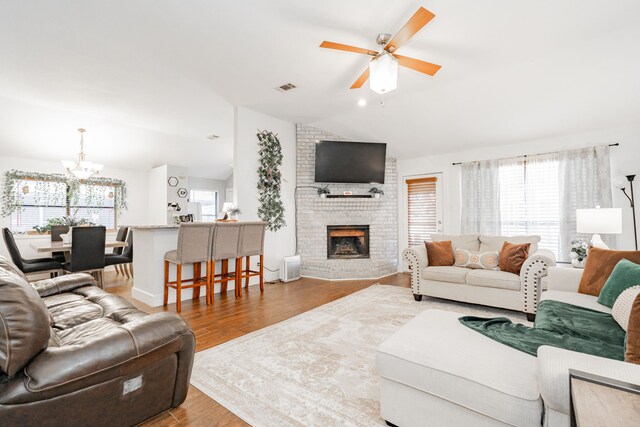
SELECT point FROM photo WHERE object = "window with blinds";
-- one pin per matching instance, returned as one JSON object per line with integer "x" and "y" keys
{"x": 422, "y": 209}
{"x": 208, "y": 202}
{"x": 529, "y": 200}
{"x": 45, "y": 200}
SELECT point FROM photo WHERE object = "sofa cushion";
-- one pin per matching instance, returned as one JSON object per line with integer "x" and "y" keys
{"x": 495, "y": 243}
{"x": 632, "y": 350}
{"x": 621, "y": 310}
{"x": 512, "y": 256}
{"x": 24, "y": 320}
{"x": 438, "y": 355}
{"x": 494, "y": 279}
{"x": 582, "y": 300}
{"x": 450, "y": 274}
{"x": 439, "y": 253}
{"x": 469, "y": 242}
{"x": 600, "y": 263}
{"x": 624, "y": 275}
{"x": 483, "y": 260}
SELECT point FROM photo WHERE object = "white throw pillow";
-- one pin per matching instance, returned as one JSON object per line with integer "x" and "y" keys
{"x": 622, "y": 307}
{"x": 469, "y": 259}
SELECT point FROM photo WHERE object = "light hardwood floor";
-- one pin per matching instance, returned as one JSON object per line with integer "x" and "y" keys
{"x": 229, "y": 318}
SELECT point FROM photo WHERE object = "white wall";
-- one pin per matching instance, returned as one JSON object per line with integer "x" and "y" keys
{"x": 137, "y": 198}
{"x": 281, "y": 243}
{"x": 624, "y": 161}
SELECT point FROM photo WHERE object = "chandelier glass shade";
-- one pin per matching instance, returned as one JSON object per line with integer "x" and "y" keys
{"x": 82, "y": 168}
{"x": 383, "y": 73}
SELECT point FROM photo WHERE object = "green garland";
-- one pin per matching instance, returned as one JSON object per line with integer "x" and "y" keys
{"x": 271, "y": 208}
{"x": 50, "y": 188}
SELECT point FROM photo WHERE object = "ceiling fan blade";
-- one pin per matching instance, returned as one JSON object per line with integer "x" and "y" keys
{"x": 363, "y": 78}
{"x": 347, "y": 48}
{"x": 413, "y": 25}
{"x": 418, "y": 65}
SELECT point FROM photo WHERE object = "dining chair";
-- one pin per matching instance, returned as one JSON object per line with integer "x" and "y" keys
{"x": 252, "y": 244}
{"x": 124, "y": 260}
{"x": 121, "y": 236}
{"x": 194, "y": 247}
{"x": 29, "y": 266}
{"x": 224, "y": 247}
{"x": 87, "y": 251}
{"x": 56, "y": 236}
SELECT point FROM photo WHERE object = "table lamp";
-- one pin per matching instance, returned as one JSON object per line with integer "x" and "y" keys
{"x": 599, "y": 221}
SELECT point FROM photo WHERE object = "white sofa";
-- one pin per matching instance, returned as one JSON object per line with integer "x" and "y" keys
{"x": 487, "y": 287}
{"x": 437, "y": 372}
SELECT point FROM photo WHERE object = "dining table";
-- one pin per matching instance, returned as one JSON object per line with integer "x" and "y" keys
{"x": 66, "y": 246}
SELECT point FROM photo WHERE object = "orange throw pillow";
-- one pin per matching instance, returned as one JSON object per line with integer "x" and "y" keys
{"x": 439, "y": 253}
{"x": 598, "y": 268}
{"x": 632, "y": 351}
{"x": 512, "y": 256}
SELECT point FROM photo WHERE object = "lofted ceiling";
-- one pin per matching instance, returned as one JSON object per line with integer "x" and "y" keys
{"x": 150, "y": 79}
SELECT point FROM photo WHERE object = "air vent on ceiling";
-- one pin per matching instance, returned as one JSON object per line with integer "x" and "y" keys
{"x": 286, "y": 87}
{"x": 212, "y": 137}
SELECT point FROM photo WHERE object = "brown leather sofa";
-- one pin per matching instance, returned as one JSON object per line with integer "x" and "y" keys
{"x": 73, "y": 354}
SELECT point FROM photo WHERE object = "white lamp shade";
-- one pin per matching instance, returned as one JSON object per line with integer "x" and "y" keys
{"x": 383, "y": 73}
{"x": 599, "y": 221}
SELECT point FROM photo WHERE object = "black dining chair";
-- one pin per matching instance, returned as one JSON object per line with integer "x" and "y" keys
{"x": 121, "y": 236}
{"x": 56, "y": 236}
{"x": 87, "y": 251}
{"x": 29, "y": 266}
{"x": 123, "y": 260}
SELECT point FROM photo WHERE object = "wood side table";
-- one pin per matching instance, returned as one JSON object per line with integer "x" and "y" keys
{"x": 602, "y": 402}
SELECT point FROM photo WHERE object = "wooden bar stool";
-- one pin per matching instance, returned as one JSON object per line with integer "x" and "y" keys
{"x": 251, "y": 244}
{"x": 194, "y": 247}
{"x": 224, "y": 246}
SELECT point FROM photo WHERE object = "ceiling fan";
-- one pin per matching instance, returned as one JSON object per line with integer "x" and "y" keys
{"x": 383, "y": 68}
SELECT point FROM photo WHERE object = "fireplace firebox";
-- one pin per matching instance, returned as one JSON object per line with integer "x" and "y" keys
{"x": 347, "y": 241}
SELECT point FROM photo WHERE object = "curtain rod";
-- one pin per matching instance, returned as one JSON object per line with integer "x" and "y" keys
{"x": 615, "y": 144}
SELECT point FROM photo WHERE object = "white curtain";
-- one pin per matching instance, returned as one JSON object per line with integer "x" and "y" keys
{"x": 480, "y": 197}
{"x": 537, "y": 195}
{"x": 584, "y": 182}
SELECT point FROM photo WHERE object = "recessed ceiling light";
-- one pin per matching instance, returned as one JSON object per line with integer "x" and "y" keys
{"x": 362, "y": 102}
{"x": 212, "y": 137}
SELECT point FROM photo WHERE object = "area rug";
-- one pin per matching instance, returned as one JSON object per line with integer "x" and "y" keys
{"x": 316, "y": 369}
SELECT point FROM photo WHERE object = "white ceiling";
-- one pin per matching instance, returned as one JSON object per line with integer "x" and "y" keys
{"x": 150, "y": 79}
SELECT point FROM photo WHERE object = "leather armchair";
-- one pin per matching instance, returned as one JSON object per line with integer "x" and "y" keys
{"x": 106, "y": 363}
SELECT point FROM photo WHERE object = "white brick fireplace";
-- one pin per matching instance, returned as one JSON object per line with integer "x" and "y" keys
{"x": 315, "y": 215}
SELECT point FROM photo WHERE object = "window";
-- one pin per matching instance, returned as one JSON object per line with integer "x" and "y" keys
{"x": 208, "y": 203}
{"x": 423, "y": 209}
{"x": 529, "y": 200}
{"x": 43, "y": 200}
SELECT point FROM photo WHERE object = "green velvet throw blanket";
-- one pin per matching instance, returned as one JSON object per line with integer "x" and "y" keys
{"x": 560, "y": 325}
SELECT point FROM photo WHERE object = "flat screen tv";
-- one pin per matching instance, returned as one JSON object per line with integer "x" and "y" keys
{"x": 350, "y": 162}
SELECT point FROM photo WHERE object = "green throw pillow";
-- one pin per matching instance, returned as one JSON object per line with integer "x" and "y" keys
{"x": 624, "y": 275}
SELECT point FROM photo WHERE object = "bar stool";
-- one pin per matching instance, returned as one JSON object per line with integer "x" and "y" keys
{"x": 251, "y": 244}
{"x": 194, "y": 247}
{"x": 224, "y": 246}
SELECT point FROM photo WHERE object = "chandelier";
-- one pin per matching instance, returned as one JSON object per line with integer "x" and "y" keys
{"x": 82, "y": 169}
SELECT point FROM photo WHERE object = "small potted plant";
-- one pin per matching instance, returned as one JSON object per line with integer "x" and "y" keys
{"x": 578, "y": 253}
{"x": 376, "y": 192}
{"x": 233, "y": 212}
{"x": 323, "y": 191}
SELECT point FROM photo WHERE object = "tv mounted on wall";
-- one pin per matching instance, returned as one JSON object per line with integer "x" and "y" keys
{"x": 350, "y": 162}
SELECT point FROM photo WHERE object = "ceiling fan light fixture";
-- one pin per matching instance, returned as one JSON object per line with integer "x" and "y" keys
{"x": 383, "y": 73}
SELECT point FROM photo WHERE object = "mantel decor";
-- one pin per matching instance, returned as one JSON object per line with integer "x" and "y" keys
{"x": 48, "y": 183}
{"x": 271, "y": 209}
